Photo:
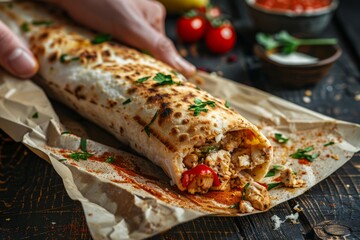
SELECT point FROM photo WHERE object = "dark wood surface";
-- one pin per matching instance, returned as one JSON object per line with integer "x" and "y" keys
{"x": 35, "y": 205}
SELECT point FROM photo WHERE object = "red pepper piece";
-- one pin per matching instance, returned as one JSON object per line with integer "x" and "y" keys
{"x": 200, "y": 169}
{"x": 263, "y": 184}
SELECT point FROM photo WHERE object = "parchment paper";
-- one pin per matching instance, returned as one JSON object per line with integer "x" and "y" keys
{"x": 132, "y": 198}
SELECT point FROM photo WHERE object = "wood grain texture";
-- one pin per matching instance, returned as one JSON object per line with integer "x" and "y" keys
{"x": 34, "y": 203}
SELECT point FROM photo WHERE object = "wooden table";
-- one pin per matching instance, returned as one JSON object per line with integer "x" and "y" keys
{"x": 34, "y": 203}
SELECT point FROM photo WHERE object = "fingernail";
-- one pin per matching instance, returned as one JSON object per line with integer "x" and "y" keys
{"x": 22, "y": 63}
{"x": 187, "y": 68}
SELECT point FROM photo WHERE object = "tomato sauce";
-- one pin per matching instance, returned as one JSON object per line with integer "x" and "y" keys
{"x": 293, "y": 5}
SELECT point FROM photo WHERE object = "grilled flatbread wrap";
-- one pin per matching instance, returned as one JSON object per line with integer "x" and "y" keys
{"x": 194, "y": 137}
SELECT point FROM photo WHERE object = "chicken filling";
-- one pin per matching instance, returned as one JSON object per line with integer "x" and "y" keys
{"x": 231, "y": 159}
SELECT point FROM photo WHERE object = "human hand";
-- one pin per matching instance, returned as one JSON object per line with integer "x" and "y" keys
{"x": 139, "y": 23}
{"x": 15, "y": 57}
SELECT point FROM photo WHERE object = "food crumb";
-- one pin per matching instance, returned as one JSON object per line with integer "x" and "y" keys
{"x": 332, "y": 205}
{"x": 183, "y": 52}
{"x": 298, "y": 208}
{"x": 198, "y": 80}
{"x": 53, "y": 223}
{"x": 347, "y": 185}
{"x": 90, "y": 214}
{"x": 308, "y": 93}
{"x": 7, "y": 219}
{"x": 335, "y": 156}
{"x": 306, "y": 99}
{"x": 357, "y": 97}
{"x": 277, "y": 222}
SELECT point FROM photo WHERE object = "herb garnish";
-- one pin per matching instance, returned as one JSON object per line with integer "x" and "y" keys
{"x": 235, "y": 206}
{"x": 273, "y": 185}
{"x": 101, "y": 38}
{"x": 289, "y": 43}
{"x": 66, "y": 132}
{"x": 244, "y": 190}
{"x": 80, "y": 156}
{"x": 25, "y": 27}
{"x": 83, "y": 144}
{"x": 281, "y": 138}
{"x": 42, "y": 22}
{"x": 227, "y": 104}
{"x": 62, "y": 160}
{"x": 65, "y": 58}
{"x": 147, "y": 127}
{"x": 126, "y": 101}
{"x": 110, "y": 159}
{"x": 200, "y": 106}
{"x": 272, "y": 171}
{"x": 198, "y": 88}
{"x": 209, "y": 149}
{"x": 141, "y": 80}
{"x": 302, "y": 154}
{"x": 35, "y": 115}
{"x": 329, "y": 143}
{"x": 163, "y": 79}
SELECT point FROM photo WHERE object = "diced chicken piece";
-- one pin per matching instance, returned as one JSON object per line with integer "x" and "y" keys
{"x": 200, "y": 183}
{"x": 258, "y": 196}
{"x": 232, "y": 140}
{"x": 240, "y": 159}
{"x": 289, "y": 178}
{"x": 258, "y": 156}
{"x": 245, "y": 207}
{"x": 191, "y": 160}
{"x": 219, "y": 162}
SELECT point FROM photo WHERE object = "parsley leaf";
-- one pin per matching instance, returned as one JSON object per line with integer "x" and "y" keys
{"x": 273, "y": 185}
{"x": 329, "y": 143}
{"x": 272, "y": 171}
{"x": 281, "y": 138}
{"x": 62, "y": 160}
{"x": 162, "y": 79}
{"x": 65, "y": 132}
{"x": 66, "y": 58}
{"x": 127, "y": 101}
{"x": 200, "y": 106}
{"x": 235, "y": 206}
{"x": 227, "y": 104}
{"x": 302, "y": 154}
{"x": 110, "y": 159}
{"x": 80, "y": 156}
{"x": 25, "y": 27}
{"x": 42, "y": 22}
{"x": 83, "y": 144}
{"x": 244, "y": 190}
{"x": 147, "y": 127}
{"x": 141, "y": 80}
{"x": 101, "y": 38}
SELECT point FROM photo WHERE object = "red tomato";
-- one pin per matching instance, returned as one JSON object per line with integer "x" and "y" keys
{"x": 220, "y": 39}
{"x": 190, "y": 29}
{"x": 200, "y": 169}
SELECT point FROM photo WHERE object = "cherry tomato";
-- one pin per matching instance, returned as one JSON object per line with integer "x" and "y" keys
{"x": 220, "y": 39}
{"x": 200, "y": 169}
{"x": 190, "y": 29}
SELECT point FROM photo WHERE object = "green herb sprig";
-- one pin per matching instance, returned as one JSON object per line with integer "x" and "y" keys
{"x": 66, "y": 58}
{"x": 302, "y": 154}
{"x": 143, "y": 79}
{"x": 200, "y": 106}
{"x": 127, "y": 101}
{"x": 280, "y": 138}
{"x": 163, "y": 79}
{"x": 243, "y": 192}
{"x": 329, "y": 144}
{"x": 35, "y": 115}
{"x": 101, "y": 38}
{"x": 273, "y": 171}
{"x": 80, "y": 156}
{"x": 147, "y": 127}
{"x": 110, "y": 159}
{"x": 288, "y": 43}
{"x": 42, "y": 22}
{"x": 235, "y": 206}
{"x": 273, "y": 185}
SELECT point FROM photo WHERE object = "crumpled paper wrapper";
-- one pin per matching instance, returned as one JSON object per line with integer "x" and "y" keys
{"x": 131, "y": 198}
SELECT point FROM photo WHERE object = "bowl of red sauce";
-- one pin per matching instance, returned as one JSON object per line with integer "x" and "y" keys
{"x": 307, "y": 17}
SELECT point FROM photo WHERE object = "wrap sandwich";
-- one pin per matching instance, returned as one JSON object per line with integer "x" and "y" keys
{"x": 200, "y": 143}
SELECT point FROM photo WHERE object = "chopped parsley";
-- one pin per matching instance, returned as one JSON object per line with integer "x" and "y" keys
{"x": 35, "y": 115}
{"x": 200, "y": 106}
{"x": 302, "y": 154}
{"x": 126, "y": 101}
{"x": 227, "y": 104}
{"x": 147, "y": 127}
{"x": 101, "y": 38}
{"x": 209, "y": 149}
{"x": 272, "y": 171}
{"x": 273, "y": 185}
{"x": 244, "y": 190}
{"x": 198, "y": 88}
{"x": 66, "y": 58}
{"x": 141, "y": 80}
{"x": 281, "y": 138}
{"x": 235, "y": 206}
{"x": 110, "y": 159}
{"x": 62, "y": 160}
{"x": 329, "y": 144}
{"x": 80, "y": 156}
{"x": 42, "y": 22}
{"x": 162, "y": 79}
{"x": 25, "y": 27}
{"x": 83, "y": 144}
{"x": 65, "y": 132}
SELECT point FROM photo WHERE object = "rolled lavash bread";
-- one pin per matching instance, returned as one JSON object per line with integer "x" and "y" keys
{"x": 194, "y": 137}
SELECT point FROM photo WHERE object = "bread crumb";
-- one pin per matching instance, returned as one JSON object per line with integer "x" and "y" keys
{"x": 335, "y": 156}
{"x": 298, "y": 208}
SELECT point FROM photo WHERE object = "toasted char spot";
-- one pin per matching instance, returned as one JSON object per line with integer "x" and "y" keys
{"x": 157, "y": 98}
{"x": 174, "y": 131}
{"x": 68, "y": 89}
{"x": 183, "y": 137}
{"x": 111, "y": 103}
{"x": 106, "y": 53}
{"x": 178, "y": 105}
{"x": 78, "y": 93}
{"x": 177, "y": 115}
{"x": 53, "y": 57}
{"x": 192, "y": 129}
{"x": 164, "y": 114}
{"x": 131, "y": 90}
{"x": 121, "y": 130}
{"x": 185, "y": 121}
{"x": 43, "y": 36}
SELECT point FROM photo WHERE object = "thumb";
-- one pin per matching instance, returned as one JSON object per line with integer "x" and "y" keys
{"x": 14, "y": 56}
{"x": 163, "y": 48}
